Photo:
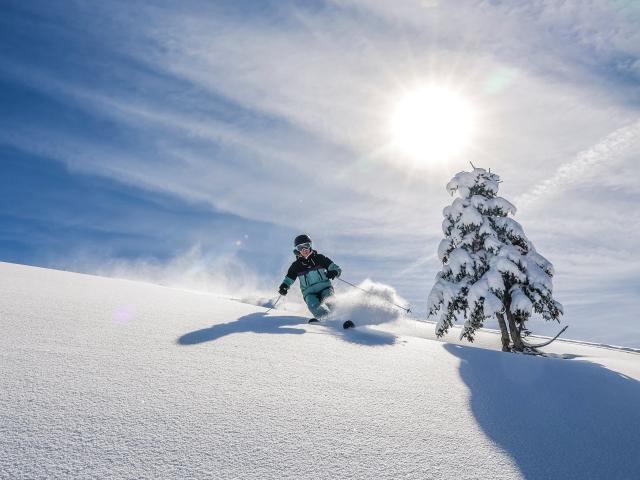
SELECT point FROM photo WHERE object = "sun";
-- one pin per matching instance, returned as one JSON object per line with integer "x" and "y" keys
{"x": 430, "y": 125}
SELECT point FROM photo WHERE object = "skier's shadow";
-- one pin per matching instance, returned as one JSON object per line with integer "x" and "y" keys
{"x": 260, "y": 322}
{"x": 257, "y": 322}
{"x": 555, "y": 418}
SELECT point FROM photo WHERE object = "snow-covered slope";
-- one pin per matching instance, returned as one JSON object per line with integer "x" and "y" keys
{"x": 104, "y": 378}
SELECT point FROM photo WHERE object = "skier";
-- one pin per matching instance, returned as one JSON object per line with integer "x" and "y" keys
{"x": 315, "y": 272}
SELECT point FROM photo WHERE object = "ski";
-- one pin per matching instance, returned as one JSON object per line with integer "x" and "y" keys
{"x": 346, "y": 325}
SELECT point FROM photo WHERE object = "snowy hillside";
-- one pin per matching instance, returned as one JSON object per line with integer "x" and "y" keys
{"x": 105, "y": 378}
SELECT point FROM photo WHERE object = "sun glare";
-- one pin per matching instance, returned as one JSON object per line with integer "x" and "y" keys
{"x": 431, "y": 125}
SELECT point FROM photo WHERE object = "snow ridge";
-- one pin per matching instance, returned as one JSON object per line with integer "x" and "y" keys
{"x": 107, "y": 378}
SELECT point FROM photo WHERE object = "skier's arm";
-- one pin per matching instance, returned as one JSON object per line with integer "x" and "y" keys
{"x": 288, "y": 280}
{"x": 333, "y": 270}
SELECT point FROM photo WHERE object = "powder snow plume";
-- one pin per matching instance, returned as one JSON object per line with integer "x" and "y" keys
{"x": 194, "y": 270}
{"x": 374, "y": 306}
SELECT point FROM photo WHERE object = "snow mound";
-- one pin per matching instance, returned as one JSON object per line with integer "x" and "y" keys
{"x": 373, "y": 306}
{"x": 259, "y": 301}
{"x": 95, "y": 385}
{"x": 270, "y": 302}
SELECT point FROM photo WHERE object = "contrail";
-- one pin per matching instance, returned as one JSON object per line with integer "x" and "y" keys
{"x": 572, "y": 172}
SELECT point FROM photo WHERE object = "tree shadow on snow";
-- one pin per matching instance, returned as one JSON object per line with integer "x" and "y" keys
{"x": 260, "y": 322}
{"x": 257, "y": 322}
{"x": 555, "y": 418}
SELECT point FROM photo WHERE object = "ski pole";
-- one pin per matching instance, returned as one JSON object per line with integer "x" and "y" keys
{"x": 274, "y": 305}
{"x": 408, "y": 310}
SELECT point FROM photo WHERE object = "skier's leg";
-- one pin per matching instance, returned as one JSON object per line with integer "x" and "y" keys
{"x": 313, "y": 301}
{"x": 325, "y": 299}
{"x": 325, "y": 296}
{"x": 326, "y": 293}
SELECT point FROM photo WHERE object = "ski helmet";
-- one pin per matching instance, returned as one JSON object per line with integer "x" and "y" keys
{"x": 300, "y": 239}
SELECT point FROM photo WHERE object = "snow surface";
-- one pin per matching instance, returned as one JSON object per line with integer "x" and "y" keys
{"x": 107, "y": 378}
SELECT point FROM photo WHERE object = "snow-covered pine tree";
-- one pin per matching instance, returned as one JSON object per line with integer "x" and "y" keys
{"x": 490, "y": 268}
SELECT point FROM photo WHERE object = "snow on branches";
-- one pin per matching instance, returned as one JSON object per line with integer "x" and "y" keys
{"x": 490, "y": 268}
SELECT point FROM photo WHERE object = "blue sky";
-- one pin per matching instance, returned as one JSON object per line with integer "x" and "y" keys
{"x": 160, "y": 141}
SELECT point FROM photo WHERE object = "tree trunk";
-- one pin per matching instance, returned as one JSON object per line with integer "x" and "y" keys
{"x": 504, "y": 333}
{"x": 513, "y": 327}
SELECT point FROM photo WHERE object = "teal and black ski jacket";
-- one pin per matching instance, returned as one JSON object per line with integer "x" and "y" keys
{"x": 312, "y": 272}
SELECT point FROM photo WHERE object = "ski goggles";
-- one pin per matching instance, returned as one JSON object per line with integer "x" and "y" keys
{"x": 303, "y": 246}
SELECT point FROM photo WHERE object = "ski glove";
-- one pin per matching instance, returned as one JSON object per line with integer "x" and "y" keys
{"x": 331, "y": 274}
{"x": 283, "y": 289}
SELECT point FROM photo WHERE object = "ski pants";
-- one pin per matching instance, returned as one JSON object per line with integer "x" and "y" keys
{"x": 315, "y": 302}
